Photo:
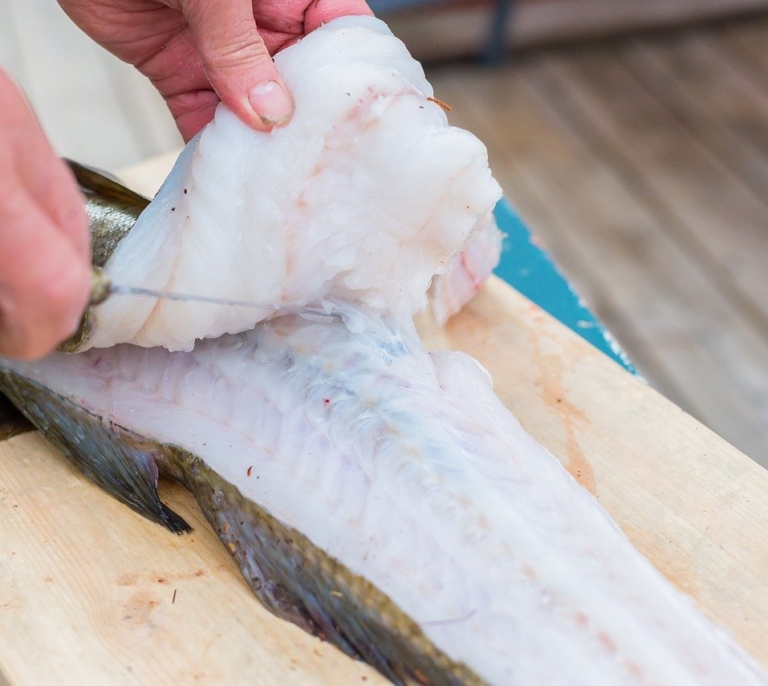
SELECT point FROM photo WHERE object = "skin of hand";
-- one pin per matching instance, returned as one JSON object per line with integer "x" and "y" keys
{"x": 44, "y": 240}
{"x": 198, "y": 52}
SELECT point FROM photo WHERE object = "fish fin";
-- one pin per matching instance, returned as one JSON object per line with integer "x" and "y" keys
{"x": 108, "y": 186}
{"x": 117, "y": 460}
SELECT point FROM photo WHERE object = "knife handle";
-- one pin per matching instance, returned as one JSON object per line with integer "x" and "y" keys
{"x": 101, "y": 288}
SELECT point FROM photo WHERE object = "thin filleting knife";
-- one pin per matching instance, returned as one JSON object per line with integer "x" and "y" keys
{"x": 102, "y": 288}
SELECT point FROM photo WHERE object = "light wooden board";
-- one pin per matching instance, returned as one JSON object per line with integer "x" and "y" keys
{"x": 92, "y": 593}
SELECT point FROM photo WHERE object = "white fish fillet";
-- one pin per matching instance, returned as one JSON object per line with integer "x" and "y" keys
{"x": 407, "y": 468}
{"x": 367, "y": 194}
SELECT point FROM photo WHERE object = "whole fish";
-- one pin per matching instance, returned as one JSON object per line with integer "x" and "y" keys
{"x": 382, "y": 498}
{"x": 375, "y": 494}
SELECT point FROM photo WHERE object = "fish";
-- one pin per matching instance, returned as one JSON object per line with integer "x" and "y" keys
{"x": 375, "y": 494}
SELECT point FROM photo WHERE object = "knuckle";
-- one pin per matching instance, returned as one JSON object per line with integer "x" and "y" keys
{"x": 12, "y": 201}
{"x": 67, "y": 291}
{"x": 60, "y": 301}
{"x": 19, "y": 338}
{"x": 237, "y": 50}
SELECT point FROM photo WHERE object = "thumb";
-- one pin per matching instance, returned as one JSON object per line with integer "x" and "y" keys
{"x": 238, "y": 63}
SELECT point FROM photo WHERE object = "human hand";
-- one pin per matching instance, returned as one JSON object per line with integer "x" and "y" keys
{"x": 44, "y": 241}
{"x": 197, "y": 52}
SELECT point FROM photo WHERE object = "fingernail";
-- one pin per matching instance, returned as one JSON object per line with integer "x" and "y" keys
{"x": 272, "y": 102}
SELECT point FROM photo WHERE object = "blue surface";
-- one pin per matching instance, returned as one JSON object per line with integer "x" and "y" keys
{"x": 384, "y": 6}
{"x": 526, "y": 267}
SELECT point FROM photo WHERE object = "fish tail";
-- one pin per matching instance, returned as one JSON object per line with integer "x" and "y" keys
{"x": 120, "y": 462}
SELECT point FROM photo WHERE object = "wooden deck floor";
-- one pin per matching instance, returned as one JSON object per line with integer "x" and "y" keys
{"x": 643, "y": 166}
{"x": 641, "y": 163}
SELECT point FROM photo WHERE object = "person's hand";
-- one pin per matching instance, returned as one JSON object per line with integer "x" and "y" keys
{"x": 44, "y": 240}
{"x": 197, "y": 52}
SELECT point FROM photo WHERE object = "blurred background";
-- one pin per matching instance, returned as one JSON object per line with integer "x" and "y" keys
{"x": 631, "y": 135}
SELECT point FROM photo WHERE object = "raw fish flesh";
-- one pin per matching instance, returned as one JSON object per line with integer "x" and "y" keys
{"x": 375, "y": 460}
{"x": 365, "y": 196}
{"x": 373, "y": 493}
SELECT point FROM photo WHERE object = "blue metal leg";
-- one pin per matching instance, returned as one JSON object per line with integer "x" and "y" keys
{"x": 494, "y": 48}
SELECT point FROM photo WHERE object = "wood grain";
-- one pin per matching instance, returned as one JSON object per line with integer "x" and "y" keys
{"x": 87, "y": 590}
{"x": 652, "y": 294}
{"x": 702, "y": 83}
{"x": 462, "y": 28}
{"x": 87, "y": 586}
{"x": 91, "y": 592}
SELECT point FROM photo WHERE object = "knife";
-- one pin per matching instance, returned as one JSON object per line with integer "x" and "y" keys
{"x": 102, "y": 288}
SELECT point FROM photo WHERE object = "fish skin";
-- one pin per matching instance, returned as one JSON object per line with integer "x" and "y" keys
{"x": 112, "y": 210}
{"x": 123, "y": 465}
{"x": 292, "y": 577}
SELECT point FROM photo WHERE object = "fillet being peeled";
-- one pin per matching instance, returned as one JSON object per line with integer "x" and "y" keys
{"x": 374, "y": 494}
{"x": 325, "y": 207}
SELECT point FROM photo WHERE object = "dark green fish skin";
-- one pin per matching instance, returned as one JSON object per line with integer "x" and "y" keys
{"x": 112, "y": 211}
{"x": 124, "y": 468}
{"x": 292, "y": 577}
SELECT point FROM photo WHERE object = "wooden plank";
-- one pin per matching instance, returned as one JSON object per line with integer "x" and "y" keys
{"x": 749, "y": 39}
{"x": 698, "y": 80}
{"x": 705, "y": 208}
{"x": 692, "y": 503}
{"x": 91, "y": 592}
{"x": 455, "y": 30}
{"x": 659, "y": 303}
{"x": 550, "y": 20}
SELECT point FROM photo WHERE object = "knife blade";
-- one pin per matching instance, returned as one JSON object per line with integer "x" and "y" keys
{"x": 103, "y": 288}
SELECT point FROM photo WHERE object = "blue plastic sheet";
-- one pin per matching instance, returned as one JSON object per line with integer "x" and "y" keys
{"x": 528, "y": 268}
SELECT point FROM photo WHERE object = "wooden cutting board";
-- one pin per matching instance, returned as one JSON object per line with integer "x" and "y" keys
{"x": 90, "y": 592}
